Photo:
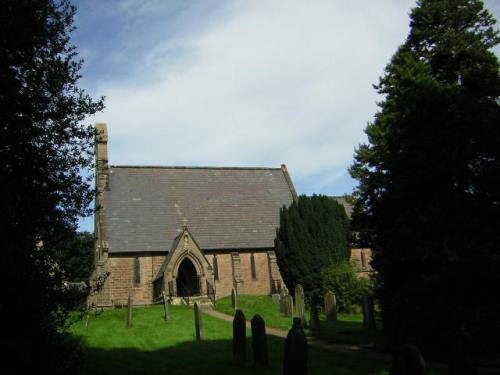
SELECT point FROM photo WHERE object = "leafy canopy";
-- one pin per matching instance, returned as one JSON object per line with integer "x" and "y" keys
{"x": 428, "y": 199}
{"x": 313, "y": 234}
{"x": 43, "y": 147}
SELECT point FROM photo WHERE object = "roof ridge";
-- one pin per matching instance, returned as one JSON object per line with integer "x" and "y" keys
{"x": 192, "y": 167}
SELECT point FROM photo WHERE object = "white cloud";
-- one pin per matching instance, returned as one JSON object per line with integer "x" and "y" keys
{"x": 257, "y": 83}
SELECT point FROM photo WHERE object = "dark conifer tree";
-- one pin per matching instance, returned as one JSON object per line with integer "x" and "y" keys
{"x": 43, "y": 149}
{"x": 313, "y": 234}
{"x": 428, "y": 200}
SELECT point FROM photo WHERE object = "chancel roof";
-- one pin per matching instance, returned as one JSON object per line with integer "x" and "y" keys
{"x": 145, "y": 208}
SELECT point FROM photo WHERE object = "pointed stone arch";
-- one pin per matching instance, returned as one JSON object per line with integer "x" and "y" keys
{"x": 185, "y": 247}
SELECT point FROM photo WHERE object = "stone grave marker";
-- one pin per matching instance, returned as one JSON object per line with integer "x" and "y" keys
{"x": 259, "y": 341}
{"x": 295, "y": 357}
{"x": 198, "y": 322}
{"x": 129, "y": 312}
{"x": 234, "y": 299}
{"x": 330, "y": 306}
{"x": 239, "y": 338}
{"x": 300, "y": 308}
{"x": 368, "y": 313}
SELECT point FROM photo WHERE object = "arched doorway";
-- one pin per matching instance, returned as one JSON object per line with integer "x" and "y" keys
{"x": 187, "y": 279}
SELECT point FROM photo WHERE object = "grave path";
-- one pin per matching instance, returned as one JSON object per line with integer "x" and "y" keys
{"x": 341, "y": 348}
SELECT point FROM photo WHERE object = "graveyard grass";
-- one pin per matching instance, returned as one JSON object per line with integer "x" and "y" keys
{"x": 348, "y": 329}
{"x": 154, "y": 346}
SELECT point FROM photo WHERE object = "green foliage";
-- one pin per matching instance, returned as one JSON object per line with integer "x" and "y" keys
{"x": 43, "y": 147}
{"x": 428, "y": 195}
{"x": 313, "y": 234}
{"x": 349, "y": 289}
{"x": 77, "y": 258}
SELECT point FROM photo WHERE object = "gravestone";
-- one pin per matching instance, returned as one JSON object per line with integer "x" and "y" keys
{"x": 368, "y": 313}
{"x": 408, "y": 361}
{"x": 295, "y": 357}
{"x": 300, "y": 308}
{"x": 239, "y": 338}
{"x": 198, "y": 322}
{"x": 282, "y": 301}
{"x": 330, "y": 306}
{"x": 314, "y": 322}
{"x": 276, "y": 298}
{"x": 165, "y": 306}
{"x": 129, "y": 312}
{"x": 259, "y": 341}
{"x": 288, "y": 305}
{"x": 234, "y": 299}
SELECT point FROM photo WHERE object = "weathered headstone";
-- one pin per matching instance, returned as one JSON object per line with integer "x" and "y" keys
{"x": 288, "y": 305}
{"x": 282, "y": 301}
{"x": 198, "y": 322}
{"x": 165, "y": 306}
{"x": 234, "y": 299}
{"x": 129, "y": 312}
{"x": 259, "y": 341}
{"x": 300, "y": 308}
{"x": 239, "y": 338}
{"x": 87, "y": 317}
{"x": 295, "y": 357}
{"x": 276, "y": 298}
{"x": 408, "y": 361}
{"x": 314, "y": 322}
{"x": 330, "y": 306}
{"x": 368, "y": 313}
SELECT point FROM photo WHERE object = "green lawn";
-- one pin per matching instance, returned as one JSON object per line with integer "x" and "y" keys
{"x": 251, "y": 305}
{"x": 153, "y": 346}
{"x": 347, "y": 329}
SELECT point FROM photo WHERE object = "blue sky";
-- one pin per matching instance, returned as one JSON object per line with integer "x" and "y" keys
{"x": 240, "y": 83}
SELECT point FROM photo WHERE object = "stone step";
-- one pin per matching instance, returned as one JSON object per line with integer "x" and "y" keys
{"x": 201, "y": 300}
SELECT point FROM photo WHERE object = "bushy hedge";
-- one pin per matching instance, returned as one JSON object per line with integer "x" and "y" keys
{"x": 341, "y": 279}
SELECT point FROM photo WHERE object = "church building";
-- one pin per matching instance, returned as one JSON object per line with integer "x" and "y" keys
{"x": 187, "y": 232}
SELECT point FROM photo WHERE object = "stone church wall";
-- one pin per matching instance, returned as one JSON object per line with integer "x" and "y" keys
{"x": 261, "y": 285}
{"x": 121, "y": 278}
{"x": 224, "y": 284}
{"x": 361, "y": 258}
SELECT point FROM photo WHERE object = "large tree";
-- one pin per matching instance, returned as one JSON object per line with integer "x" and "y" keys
{"x": 43, "y": 148}
{"x": 313, "y": 234}
{"x": 428, "y": 199}
{"x": 77, "y": 256}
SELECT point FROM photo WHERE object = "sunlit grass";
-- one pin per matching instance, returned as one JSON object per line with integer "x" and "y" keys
{"x": 153, "y": 346}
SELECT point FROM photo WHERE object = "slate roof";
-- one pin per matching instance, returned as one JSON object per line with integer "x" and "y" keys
{"x": 225, "y": 208}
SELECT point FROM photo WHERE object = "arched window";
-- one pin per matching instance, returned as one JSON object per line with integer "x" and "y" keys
{"x": 137, "y": 271}
{"x": 252, "y": 267}
{"x": 216, "y": 268}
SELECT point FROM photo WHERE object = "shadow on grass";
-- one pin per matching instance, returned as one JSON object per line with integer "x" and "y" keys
{"x": 349, "y": 332}
{"x": 214, "y": 357}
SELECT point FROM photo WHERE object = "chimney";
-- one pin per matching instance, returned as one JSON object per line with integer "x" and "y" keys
{"x": 101, "y": 157}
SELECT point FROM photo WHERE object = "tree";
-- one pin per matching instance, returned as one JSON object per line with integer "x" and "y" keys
{"x": 43, "y": 148}
{"x": 349, "y": 288}
{"x": 428, "y": 199}
{"x": 77, "y": 257}
{"x": 313, "y": 234}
